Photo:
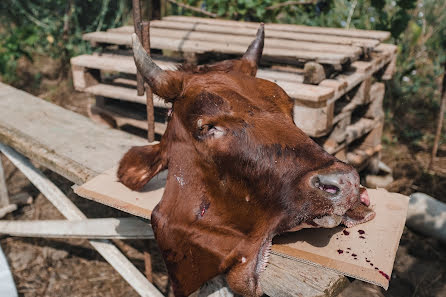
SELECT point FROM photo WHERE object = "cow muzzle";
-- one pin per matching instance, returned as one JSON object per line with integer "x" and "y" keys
{"x": 350, "y": 201}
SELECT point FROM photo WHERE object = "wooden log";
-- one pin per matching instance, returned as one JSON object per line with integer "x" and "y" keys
{"x": 107, "y": 250}
{"x": 109, "y": 228}
{"x": 314, "y": 73}
{"x": 390, "y": 69}
{"x": 316, "y": 121}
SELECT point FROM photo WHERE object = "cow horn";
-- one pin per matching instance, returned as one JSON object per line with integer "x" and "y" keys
{"x": 255, "y": 49}
{"x": 163, "y": 83}
{"x": 144, "y": 62}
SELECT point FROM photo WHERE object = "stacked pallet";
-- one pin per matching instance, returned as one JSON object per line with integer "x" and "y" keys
{"x": 333, "y": 75}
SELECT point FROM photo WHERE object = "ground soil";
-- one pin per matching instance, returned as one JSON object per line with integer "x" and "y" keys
{"x": 53, "y": 267}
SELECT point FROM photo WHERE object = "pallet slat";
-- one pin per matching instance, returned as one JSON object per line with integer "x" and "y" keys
{"x": 372, "y": 34}
{"x": 123, "y": 93}
{"x": 157, "y": 29}
{"x": 295, "y": 90}
{"x": 197, "y": 47}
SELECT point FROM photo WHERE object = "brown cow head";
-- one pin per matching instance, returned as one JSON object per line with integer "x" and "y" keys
{"x": 240, "y": 172}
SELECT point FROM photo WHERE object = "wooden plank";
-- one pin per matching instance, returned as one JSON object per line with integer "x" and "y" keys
{"x": 351, "y": 52}
{"x": 123, "y": 93}
{"x": 109, "y": 228}
{"x": 290, "y": 82}
{"x": 107, "y": 250}
{"x": 251, "y": 31}
{"x": 305, "y": 279}
{"x": 4, "y": 197}
{"x": 72, "y": 145}
{"x": 50, "y": 142}
{"x": 196, "y": 46}
{"x": 127, "y": 117}
{"x": 379, "y": 35}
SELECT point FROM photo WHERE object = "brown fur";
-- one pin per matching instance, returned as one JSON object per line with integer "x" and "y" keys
{"x": 240, "y": 172}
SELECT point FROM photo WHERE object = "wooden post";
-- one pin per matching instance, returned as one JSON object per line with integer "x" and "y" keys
{"x": 136, "y": 25}
{"x": 440, "y": 121}
{"x": 4, "y": 198}
{"x": 145, "y": 32}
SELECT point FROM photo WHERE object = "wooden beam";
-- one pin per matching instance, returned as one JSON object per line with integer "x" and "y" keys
{"x": 107, "y": 250}
{"x": 109, "y": 228}
{"x": 4, "y": 198}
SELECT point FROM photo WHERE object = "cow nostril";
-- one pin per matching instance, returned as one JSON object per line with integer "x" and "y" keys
{"x": 326, "y": 184}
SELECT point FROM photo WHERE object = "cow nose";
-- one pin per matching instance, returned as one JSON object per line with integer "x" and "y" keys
{"x": 336, "y": 183}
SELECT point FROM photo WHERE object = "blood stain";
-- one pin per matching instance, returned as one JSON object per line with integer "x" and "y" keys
{"x": 371, "y": 264}
{"x": 340, "y": 251}
{"x": 361, "y": 231}
{"x": 384, "y": 274}
{"x": 362, "y": 237}
{"x": 376, "y": 268}
{"x": 345, "y": 232}
{"x": 367, "y": 260}
{"x": 354, "y": 255}
{"x": 203, "y": 210}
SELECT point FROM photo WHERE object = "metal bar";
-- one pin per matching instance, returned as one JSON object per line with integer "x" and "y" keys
{"x": 107, "y": 250}
{"x": 136, "y": 25}
{"x": 145, "y": 32}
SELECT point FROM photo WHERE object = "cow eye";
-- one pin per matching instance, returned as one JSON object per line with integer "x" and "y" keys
{"x": 209, "y": 130}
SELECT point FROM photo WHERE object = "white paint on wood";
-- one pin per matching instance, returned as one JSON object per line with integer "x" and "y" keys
{"x": 110, "y": 253}
{"x": 109, "y": 228}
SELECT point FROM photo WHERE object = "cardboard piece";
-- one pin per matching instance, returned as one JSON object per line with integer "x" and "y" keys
{"x": 365, "y": 252}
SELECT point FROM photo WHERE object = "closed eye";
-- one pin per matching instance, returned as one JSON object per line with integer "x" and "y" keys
{"x": 209, "y": 130}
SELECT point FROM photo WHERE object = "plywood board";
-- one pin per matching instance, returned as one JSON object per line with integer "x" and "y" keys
{"x": 106, "y": 189}
{"x": 374, "y": 243}
{"x": 365, "y": 252}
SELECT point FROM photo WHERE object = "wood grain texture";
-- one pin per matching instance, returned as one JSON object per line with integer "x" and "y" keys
{"x": 4, "y": 198}
{"x": 199, "y": 46}
{"x": 301, "y": 280}
{"x": 379, "y": 35}
{"x": 108, "y": 228}
{"x": 251, "y": 31}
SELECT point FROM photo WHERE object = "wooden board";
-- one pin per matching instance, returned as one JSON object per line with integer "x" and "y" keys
{"x": 251, "y": 31}
{"x": 198, "y": 46}
{"x": 372, "y": 34}
{"x": 76, "y": 148}
{"x": 63, "y": 141}
{"x": 290, "y": 82}
{"x": 109, "y": 228}
{"x": 365, "y": 252}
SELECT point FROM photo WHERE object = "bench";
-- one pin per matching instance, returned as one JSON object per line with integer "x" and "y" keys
{"x": 78, "y": 149}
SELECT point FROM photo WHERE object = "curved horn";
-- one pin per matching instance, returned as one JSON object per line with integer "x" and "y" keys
{"x": 166, "y": 84}
{"x": 152, "y": 72}
{"x": 255, "y": 49}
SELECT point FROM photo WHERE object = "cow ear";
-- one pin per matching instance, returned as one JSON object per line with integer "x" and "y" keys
{"x": 166, "y": 84}
{"x": 140, "y": 164}
{"x": 252, "y": 56}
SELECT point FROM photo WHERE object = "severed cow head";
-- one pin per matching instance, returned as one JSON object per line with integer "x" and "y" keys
{"x": 240, "y": 172}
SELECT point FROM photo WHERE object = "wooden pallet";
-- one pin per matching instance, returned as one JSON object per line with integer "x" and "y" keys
{"x": 314, "y": 109}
